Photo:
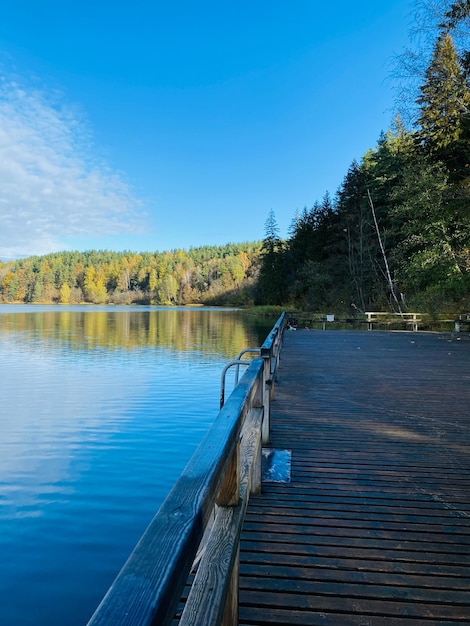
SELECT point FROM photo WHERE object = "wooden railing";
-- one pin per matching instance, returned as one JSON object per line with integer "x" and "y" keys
{"x": 411, "y": 319}
{"x": 201, "y": 519}
{"x": 371, "y": 318}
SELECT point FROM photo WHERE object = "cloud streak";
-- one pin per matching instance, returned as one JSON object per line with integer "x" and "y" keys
{"x": 52, "y": 187}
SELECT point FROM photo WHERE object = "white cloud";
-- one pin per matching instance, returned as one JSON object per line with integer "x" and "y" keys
{"x": 51, "y": 185}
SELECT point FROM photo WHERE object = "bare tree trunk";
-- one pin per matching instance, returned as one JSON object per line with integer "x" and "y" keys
{"x": 387, "y": 269}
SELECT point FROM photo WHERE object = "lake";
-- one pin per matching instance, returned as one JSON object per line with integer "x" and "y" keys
{"x": 101, "y": 409}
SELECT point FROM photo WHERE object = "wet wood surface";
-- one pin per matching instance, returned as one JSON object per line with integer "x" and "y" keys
{"x": 374, "y": 527}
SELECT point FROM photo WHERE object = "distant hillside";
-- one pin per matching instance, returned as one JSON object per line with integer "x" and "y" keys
{"x": 205, "y": 275}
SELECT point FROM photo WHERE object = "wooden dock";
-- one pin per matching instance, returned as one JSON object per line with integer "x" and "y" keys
{"x": 374, "y": 527}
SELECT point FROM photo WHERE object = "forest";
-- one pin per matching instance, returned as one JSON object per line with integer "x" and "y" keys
{"x": 394, "y": 236}
{"x": 213, "y": 275}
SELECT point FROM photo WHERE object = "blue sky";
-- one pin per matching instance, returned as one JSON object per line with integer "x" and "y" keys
{"x": 152, "y": 125}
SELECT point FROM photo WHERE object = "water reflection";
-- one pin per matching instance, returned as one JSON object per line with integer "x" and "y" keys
{"x": 210, "y": 331}
{"x": 101, "y": 409}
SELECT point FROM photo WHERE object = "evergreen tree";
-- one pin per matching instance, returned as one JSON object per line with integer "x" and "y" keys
{"x": 316, "y": 257}
{"x": 444, "y": 109}
{"x": 273, "y": 269}
{"x": 271, "y": 241}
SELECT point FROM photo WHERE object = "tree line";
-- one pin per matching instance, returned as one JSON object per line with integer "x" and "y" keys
{"x": 205, "y": 275}
{"x": 397, "y": 232}
{"x": 395, "y": 235}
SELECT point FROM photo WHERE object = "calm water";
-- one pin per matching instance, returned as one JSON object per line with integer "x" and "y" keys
{"x": 101, "y": 408}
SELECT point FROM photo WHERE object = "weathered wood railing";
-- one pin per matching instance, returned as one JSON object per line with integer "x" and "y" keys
{"x": 208, "y": 501}
{"x": 411, "y": 319}
{"x": 371, "y": 318}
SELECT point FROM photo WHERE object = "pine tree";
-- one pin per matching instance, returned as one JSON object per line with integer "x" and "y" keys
{"x": 271, "y": 241}
{"x": 444, "y": 109}
{"x": 273, "y": 270}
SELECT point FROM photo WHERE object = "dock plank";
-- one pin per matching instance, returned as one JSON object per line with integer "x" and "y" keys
{"x": 374, "y": 527}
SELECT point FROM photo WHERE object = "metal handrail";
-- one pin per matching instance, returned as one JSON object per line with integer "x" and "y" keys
{"x": 236, "y": 362}
{"x": 220, "y": 476}
{"x": 245, "y": 351}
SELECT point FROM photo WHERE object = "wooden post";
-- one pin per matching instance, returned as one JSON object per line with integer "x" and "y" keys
{"x": 256, "y": 474}
{"x": 266, "y": 386}
{"x": 229, "y": 496}
{"x": 258, "y": 403}
{"x": 251, "y": 453}
{"x": 275, "y": 364}
{"x": 229, "y": 492}
{"x": 231, "y": 608}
